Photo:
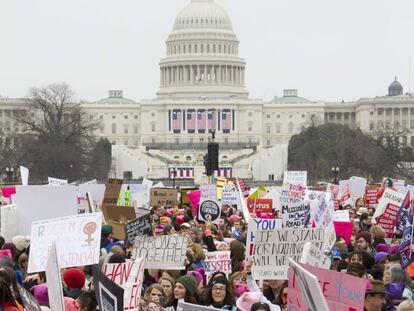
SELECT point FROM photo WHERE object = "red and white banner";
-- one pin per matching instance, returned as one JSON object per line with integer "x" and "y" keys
{"x": 260, "y": 206}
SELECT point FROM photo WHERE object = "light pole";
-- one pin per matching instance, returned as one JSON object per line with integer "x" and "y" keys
{"x": 174, "y": 173}
{"x": 335, "y": 172}
{"x": 9, "y": 174}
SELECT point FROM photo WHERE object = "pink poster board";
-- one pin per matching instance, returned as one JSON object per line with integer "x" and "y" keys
{"x": 344, "y": 229}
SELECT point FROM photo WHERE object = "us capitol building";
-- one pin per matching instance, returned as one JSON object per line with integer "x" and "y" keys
{"x": 202, "y": 87}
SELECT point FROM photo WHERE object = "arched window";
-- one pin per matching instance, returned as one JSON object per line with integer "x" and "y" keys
{"x": 188, "y": 158}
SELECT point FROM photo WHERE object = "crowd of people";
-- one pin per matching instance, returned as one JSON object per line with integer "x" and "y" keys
{"x": 368, "y": 256}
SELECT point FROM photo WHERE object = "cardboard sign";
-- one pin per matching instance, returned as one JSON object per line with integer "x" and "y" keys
{"x": 166, "y": 197}
{"x": 257, "y": 206}
{"x": 138, "y": 227}
{"x": 29, "y": 302}
{"x": 256, "y": 224}
{"x": 54, "y": 281}
{"x": 272, "y": 249}
{"x": 112, "y": 188}
{"x": 184, "y": 306}
{"x": 342, "y": 291}
{"x": 296, "y": 215}
{"x": 109, "y": 295}
{"x": 313, "y": 256}
{"x": 128, "y": 275}
{"x": 295, "y": 177}
{"x": 77, "y": 239}
{"x": 209, "y": 210}
{"x": 309, "y": 287}
{"x": 217, "y": 261}
{"x": 114, "y": 214}
{"x": 343, "y": 229}
{"x": 57, "y": 182}
{"x": 36, "y": 203}
{"x": 161, "y": 252}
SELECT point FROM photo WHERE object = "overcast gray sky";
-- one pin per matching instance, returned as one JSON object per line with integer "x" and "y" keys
{"x": 327, "y": 49}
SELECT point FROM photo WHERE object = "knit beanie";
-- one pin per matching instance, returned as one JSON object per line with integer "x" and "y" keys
{"x": 40, "y": 293}
{"x": 21, "y": 242}
{"x": 11, "y": 247}
{"x": 74, "y": 278}
{"x": 198, "y": 277}
{"x": 189, "y": 283}
{"x": 366, "y": 236}
{"x": 70, "y": 304}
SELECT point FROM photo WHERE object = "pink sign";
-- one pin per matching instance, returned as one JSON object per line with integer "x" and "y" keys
{"x": 5, "y": 253}
{"x": 7, "y": 192}
{"x": 342, "y": 291}
{"x": 194, "y": 197}
{"x": 343, "y": 229}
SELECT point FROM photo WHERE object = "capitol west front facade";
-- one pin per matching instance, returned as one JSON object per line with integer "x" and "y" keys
{"x": 202, "y": 87}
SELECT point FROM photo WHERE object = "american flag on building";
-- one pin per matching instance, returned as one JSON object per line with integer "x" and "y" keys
{"x": 210, "y": 120}
{"x": 224, "y": 172}
{"x": 191, "y": 120}
{"x": 244, "y": 188}
{"x": 181, "y": 172}
{"x": 176, "y": 120}
{"x": 201, "y": 120}
{"x": 226, "y": 120}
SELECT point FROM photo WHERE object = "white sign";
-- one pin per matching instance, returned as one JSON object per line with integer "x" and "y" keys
{"x": 38, "y": 202}
{"x": 208, "y": 191}
{"x": 256, "y": 224}
{"x": 8, "y": 218}
{"x": 24, "y": 174}
{"x": 295, "y": 177}
{"x": 341, "y": 215}
{"x": 54, "y": 281}
{"x": 129, "y": 275}
{"x": 184, "y": 306}
{"x": 272, "y": 249}
{"x": 389, "y": 196}
{"x": 57, "y": 182}
{"x": 310, "y": 288}
{"x": 217, "y": 261}
{"x": 230, "y": 195}
{"x": 161, "y": 252}
{"x": 77, "y": 240}
{"x": 312, "y": 255}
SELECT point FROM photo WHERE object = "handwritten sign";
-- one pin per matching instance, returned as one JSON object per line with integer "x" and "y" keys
{"x": 161, "y": 252}
{"x": 208, "y": 191}
{"x": 296, "y": 215}
{"x": 292, "y": 193}
{"x": 230, "y": 195}
{"x": 313, "y": 256}
{"x": 217, "y": 261}
{"x": 295, "y": 177}
{"x": 57, "y": 182}
{"x": 256, "y": 224}
{"x": 138, "y": 227}
{"x": 389, "y": 196}
{"x": 184, "y": 306}
{"x": 166, "y": 197}
{"x": 54, "y": 281}
{"x": 77, "y": 239}
{"x": 112, "y": 189}
{"x": 272, "y": 249}
{"x": 128, "y": 275}
{"x": 109, "y": 295}
{"x": 256, "y": 206}
{"x": 342, "y": 291}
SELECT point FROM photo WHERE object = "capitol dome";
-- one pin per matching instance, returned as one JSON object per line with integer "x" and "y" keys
{"x": 202, "y": 14}
{"x": 395, "y": 88}
{"x": 202, "y": 55}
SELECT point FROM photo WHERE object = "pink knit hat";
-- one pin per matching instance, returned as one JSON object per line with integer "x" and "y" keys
{"x": 247, "y": 299}
{"x": 196, "y": 275}
{"x": 71, "y": 304}
{"x": 40, "y": 294}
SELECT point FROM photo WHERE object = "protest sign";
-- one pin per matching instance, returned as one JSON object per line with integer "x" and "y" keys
{"x": 77, "y": 240}
{"x": 56, "y": 182}
{"x": 128, "y": 275}
{"x": 295, "y": 177}
{"x": 29, "y": 302}
{"x": 258, "y": 193}
{"x": 405, "y": 227}
{"x": 161, "y": 252}
{"x": 209, "y": 210}
{"x": 334, "y": 191}
{"x": 309, "y": 288}
{"x": 230, "y": 195}
{"x": 109, "y": 295}
{"x": 357, "y": 186}
{"x": 194, "y": 197}
{"x": 138, "y": 227}
{"x": 243, "y": 187}
{"x": 371, "y": 199}
{"x": 184, "y": 306}
{"x": 217, "y": 261}
{"x": 257, "y": 206}
{"x": 256, "y": 224}
{"x": 24, "y": 174}
{"x": 96, "y": 193}
{"x": 39, "y": 202}
{"x": 341, "y": 215}
{"x": 296, "y": 215}
{"x": 343, "y": 229}
{"x": 220, "y": 183}
{"x": 54, "y": 281}
{"x": 319, "y": 212}
{"x": 8, "y": 222}
{"x": 342, "y": 291}
{"x": 208, "y": 191}
{"x": 112, "y": 188}
{"x": 389, "y": 196}
{"x": 388, "y": 219}
{"x": 292, "y": 193}
{"x": 166, "y": 197}
{"x": 272, "y": 249}
{"x": 313, "y": 256}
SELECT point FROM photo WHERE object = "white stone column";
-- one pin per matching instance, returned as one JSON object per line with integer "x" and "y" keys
{"x": 198, "y": 73}
{"x": 191, "y": 74}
